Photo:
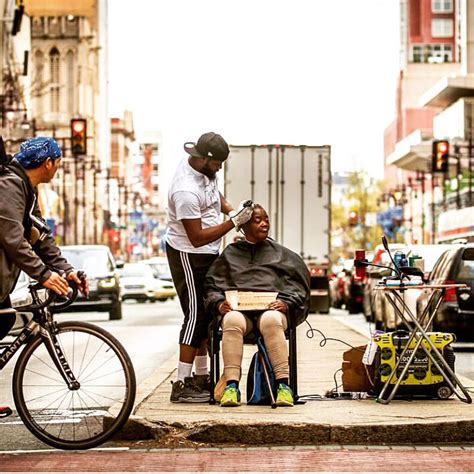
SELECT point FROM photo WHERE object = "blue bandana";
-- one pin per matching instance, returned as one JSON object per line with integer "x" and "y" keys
{"x": 36, "y": 150}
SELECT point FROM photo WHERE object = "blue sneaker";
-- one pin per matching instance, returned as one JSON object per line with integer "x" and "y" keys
{"x": 231, "y": 396}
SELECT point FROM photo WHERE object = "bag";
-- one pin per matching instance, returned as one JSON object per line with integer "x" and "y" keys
{"x": 258, "y": 391}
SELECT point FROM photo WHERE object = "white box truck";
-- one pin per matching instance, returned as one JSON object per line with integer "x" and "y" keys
{"x": 293, "y": 183}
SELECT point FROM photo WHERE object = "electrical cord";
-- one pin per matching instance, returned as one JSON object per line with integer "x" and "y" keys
{"x": 310, "y": 334}
{"x": 315, "y": 396}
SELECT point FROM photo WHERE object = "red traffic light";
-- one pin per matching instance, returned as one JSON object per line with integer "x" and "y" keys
{"x": 79, "y": 136}
{"x": 443, "y": 147}
{"x": 78, "y": 126}
{"x": 440, "y": 158}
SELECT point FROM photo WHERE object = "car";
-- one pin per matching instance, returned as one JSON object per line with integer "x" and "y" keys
{"x": 336, "y": 285}
{"x": 345, "y": 289}
{"x": 353, "y": 289}
{"x": 456, "y": 311}
{"x": 387, "y": 318}
{"x": 102, "y": 273}
{"x": 139, "y": 283}
{"x": 372, "y": 300}
{"x": 160, "y": 267}
{"x": 21, "y": 296}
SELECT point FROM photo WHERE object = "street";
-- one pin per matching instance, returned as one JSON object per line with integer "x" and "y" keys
{"x": 149, "y": 333}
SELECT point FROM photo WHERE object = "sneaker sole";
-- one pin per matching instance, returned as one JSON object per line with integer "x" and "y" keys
{"x": 284, "y": 404}
{"x": 230, "y": 404}
{"x": 191, "y": 400}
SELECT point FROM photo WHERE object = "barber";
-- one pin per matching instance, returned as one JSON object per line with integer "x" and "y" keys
{"x": 193, "y": 239}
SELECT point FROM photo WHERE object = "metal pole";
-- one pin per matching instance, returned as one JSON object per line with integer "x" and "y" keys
{"x": 423, "y": 219}
{"x": 433, "y": 214}
{"x": 95, "y": 170}
{"x": 65, "y": 203}
{"x": 84, "y": 203}
{"x": 277, "y": 196}
{"x": 282, "y": 184}
{"x": 76, "y": 202}
{"x": 302, "y": 183}
{"x": 252, "y": 173}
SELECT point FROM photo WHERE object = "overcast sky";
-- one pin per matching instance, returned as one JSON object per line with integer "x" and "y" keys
{"x": 311, "y": 72}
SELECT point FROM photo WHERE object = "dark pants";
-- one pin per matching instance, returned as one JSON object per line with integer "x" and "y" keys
{"x": 6, "y": 320}
{"x": 189, "y": 271}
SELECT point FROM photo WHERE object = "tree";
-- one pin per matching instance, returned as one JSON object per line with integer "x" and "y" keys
{"x": 360, "y": 199}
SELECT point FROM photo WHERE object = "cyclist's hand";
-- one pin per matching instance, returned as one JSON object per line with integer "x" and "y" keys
{"x": 57, "y": 283}
{"x": 81, "y": 280}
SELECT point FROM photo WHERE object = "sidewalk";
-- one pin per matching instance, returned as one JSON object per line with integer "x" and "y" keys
{"x": 317, "y": 421}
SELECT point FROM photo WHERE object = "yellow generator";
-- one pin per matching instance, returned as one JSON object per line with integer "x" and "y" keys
{"x": 422, "y": 378}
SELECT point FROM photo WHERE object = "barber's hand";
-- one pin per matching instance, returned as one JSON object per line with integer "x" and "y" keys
{"x": 278, "y": 305}
{"x": 57, "y": 283}
{"x": 224, "y": 307}
{"x": 241, "y": 215}
{"x": 81, "y": 280}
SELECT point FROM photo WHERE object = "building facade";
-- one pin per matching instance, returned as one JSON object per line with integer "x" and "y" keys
{"x": 436, "y": 44}
{"x": 68, "y": 81}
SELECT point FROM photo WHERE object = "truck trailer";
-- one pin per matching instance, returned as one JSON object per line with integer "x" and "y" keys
{"x": 293, "y": 184}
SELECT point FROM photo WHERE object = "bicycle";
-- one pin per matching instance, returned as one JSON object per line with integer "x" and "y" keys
{"x": 73, "y": 384}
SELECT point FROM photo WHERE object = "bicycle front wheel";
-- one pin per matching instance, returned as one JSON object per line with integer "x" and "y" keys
{"x": 92, "y": 412}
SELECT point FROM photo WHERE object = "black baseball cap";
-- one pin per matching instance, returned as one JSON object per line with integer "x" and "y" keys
{"x": 209, "y": 145}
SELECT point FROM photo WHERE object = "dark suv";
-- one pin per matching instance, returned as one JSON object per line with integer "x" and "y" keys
{"x": 456, "y": 313}
{"x": 104, "y": 281}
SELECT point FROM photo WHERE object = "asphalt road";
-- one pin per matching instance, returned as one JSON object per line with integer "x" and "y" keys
{"x": 149, "y": 332}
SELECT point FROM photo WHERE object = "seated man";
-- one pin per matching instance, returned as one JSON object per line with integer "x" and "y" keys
{"x": 257, "y": 263}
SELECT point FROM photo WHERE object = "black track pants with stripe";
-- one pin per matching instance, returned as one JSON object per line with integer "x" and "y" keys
{"x": 189, "y": 271}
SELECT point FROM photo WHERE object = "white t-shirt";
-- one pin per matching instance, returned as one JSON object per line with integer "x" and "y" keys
{"x": 192, "y": 195}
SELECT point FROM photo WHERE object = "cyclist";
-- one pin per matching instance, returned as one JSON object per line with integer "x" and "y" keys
{"x": 21, "y": 224}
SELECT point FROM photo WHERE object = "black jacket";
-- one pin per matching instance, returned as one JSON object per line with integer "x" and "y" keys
{"x": 16, "y": 252}
{"x": 264, "y": 266}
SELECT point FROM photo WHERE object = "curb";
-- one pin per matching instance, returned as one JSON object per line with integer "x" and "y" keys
{"x": 137, "y": 427}
{"x": 303, "y": 433}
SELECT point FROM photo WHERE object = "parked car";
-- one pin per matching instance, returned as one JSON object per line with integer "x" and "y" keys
{"x": 100, "y": 267}
{"x": 456, "y": 312}
{"x": 387, "y": 318}
{"x": 353, "y": 290}
{"x": 139, "y": 283}
{"x": 372, "y": 300}
{"x": 336, "y": 286}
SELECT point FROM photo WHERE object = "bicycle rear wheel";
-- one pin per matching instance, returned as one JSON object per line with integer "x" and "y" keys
{"x": 81, "y": 418}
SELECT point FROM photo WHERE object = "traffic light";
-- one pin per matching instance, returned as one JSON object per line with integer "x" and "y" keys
{"x": 353, "y": 218}
{"x": 440, "y": 156}
{"x": 79, "y": 136}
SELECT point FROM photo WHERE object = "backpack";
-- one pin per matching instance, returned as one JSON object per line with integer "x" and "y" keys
{"x": 258, "y": 391}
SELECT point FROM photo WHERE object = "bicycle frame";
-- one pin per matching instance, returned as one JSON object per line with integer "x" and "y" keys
{"x": 43, "y": 323}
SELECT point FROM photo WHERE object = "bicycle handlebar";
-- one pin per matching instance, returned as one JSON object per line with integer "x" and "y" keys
{"x": 51, "y": 298}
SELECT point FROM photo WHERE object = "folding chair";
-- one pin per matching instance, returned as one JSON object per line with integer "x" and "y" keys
{"x": 215, "y": 338}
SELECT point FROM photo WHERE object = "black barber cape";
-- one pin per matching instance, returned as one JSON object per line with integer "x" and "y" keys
{"x": 264, "y": 266}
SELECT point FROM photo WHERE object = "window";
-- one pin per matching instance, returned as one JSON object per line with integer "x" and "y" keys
{"x": 70, "y": 81}
{"x": 432, "y": 53}
{"x": 38, "y": 82}
{"x": 441, "y": 6}
{"x": 442, "y": 28}
{"x": 54, "y": 77}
